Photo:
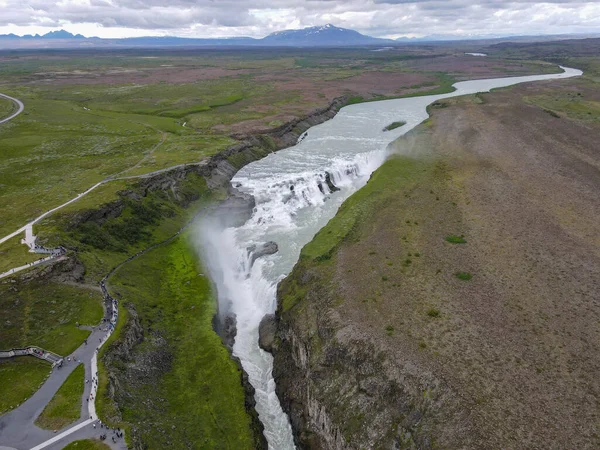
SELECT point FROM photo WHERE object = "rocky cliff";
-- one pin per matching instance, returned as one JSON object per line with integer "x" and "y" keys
{"x": 337, "y": 384}
{"x": 452, "y": 302}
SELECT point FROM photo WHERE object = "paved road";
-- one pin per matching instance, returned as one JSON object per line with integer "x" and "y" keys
{"x": 19, "y": 103}
{"x": 17, "y": 428}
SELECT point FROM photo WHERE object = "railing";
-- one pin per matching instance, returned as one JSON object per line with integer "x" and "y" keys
{"x": 53, "y": 358}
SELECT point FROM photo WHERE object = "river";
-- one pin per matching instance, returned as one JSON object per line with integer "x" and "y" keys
{"x": 293, "y": 202}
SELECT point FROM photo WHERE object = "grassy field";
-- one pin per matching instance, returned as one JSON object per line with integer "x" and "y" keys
{"x": 101, "y": 245}
{"x": 573, "y": 105}
{"x": 65, "y": 406}
{"x": 57, "y": 150}
{"x": 196, "y": 393}
{"x": 87, "y": 444}
{"x": 15, "y": 254}
{"x": 91, "y": 116}
{"x": 19, "y": 379}
{"x": 44, "y": 314}
{"x": 6, "y": 107}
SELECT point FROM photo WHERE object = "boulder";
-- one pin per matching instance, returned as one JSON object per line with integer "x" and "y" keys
{"x": 258, "y": 251}
{"x": 266, "y": 332}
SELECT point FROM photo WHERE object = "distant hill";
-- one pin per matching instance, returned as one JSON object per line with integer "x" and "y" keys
{"x": 491, "y": 39}
{"x": 323, "y": 36}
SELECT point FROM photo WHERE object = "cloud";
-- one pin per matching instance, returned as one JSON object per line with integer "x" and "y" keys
{"x": 385, "y": 18}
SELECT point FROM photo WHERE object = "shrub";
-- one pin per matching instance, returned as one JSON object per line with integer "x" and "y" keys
{"x": 432, "y": 312}
{"x": 465, "y": 276}
{"x": 453, "y": 239}
{"x": 394, "y": 125}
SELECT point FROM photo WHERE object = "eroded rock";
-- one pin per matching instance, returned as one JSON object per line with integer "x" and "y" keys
{"x": 258, "y": 251}
{"x": 266, "y": 332}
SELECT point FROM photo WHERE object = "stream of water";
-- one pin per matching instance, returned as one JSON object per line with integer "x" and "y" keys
{"x": 293, "y": 202}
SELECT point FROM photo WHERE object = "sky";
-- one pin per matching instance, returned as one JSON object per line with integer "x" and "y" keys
{"x": 257, "y": 18}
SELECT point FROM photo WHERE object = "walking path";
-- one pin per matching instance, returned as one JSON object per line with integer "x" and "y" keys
{"x": 25, "y": 227}
{"x": 17, "y": 428}
{"x": 23, "y": 417}
{"x": 38, "y": 352}
{"x": 17, "y": 102}
{"x": 30, "y": 265}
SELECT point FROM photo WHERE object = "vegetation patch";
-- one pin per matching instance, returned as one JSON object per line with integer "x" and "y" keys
{"x": 87, "y": 444}
{"x": 19, "y": 379}
{"x": 45, "y": 314}
{"x": 15, "y": 254}
{"x": 552, "y": 113}
{"x": 394, "y": 125}
{"x": 7, "y": 107}
{"x": 65, "y": 406}
{"x": 433, "y": 312}
{"x": 465, "y": 276}
{"x": 574, "y": 105}
{"x": 453, "y": 239}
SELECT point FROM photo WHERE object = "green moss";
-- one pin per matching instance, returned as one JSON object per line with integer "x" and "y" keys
{"x": 294, "y": 294}
{"x": 65, "y": 406}
{"x": 200, "y": 395}
{"x": 19, "y": 379}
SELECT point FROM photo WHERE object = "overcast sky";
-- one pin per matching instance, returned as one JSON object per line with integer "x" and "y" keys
{"x": 257, "y": 18}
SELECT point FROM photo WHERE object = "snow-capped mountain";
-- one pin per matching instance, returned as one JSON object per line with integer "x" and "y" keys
{"x": 323, "y": 36}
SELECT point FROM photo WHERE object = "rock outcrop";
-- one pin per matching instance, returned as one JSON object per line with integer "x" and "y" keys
{"x": 258, "y": 251}
{"x": 266, "y": 332}
{"x": 120, "y": 353}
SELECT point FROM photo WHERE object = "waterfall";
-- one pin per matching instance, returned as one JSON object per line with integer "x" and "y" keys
{"x": 296, "y": 192}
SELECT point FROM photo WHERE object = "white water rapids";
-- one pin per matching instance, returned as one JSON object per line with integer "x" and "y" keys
{"x": 293, "y": 202}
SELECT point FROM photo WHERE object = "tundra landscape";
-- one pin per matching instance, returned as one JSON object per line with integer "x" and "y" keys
{"x": 293, "y": 243}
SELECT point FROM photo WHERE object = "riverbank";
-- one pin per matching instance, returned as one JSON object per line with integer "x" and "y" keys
{"x": 451, "y": 300}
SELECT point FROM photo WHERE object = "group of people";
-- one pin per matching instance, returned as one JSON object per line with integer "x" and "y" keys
{"x": 117, "y": 433}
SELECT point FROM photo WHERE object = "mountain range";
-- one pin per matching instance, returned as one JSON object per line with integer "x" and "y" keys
{"x": 319, "y": 36}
